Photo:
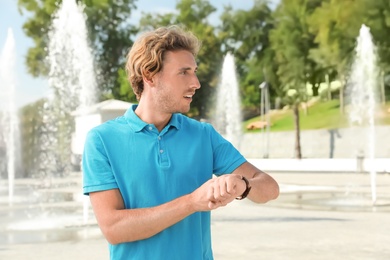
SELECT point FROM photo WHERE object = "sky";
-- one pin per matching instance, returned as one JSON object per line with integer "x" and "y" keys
{"x": 29, "y": 89}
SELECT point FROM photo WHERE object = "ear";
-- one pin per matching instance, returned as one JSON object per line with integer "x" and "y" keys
{"x": 148, "y": 79}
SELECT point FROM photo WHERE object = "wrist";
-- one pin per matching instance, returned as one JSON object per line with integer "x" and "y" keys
{"x": 247, "y": 189}
{"x": 192, "y": 206}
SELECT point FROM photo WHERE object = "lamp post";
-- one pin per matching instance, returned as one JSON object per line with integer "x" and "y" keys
{"x": 264, "y": 114}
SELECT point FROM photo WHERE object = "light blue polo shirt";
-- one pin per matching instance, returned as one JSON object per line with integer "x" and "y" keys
{"x": 150, "y": 168}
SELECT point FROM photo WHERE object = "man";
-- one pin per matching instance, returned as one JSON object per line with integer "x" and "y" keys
{"x": 149, "y": 173}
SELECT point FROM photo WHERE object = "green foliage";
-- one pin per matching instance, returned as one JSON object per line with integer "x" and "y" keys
{"x": 322, "y": 115}
{"x": 377, "y": 17}
{"x": 291, "y": 40}
{"x": 111, "y": 35}
{"x": 336, "y": 25}
{"x": 109, "y": 32}
{"x": 299, "y": 42}
{"x": 125, "y": 91}
{"x": 246, "y": 35}
{"x": 31, "y": 124}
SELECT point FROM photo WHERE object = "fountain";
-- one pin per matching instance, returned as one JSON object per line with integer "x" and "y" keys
{"x": 228, "y": 118}
{"x": 351, "y": 195}
{"x": 72, "y": 71}
{"x": 73, "y": 82}
{"x": 9, "y": 123}
{"x": 57, "y": 211}
{"x": 362, "y": 89}
{"x": 50, "y": 205}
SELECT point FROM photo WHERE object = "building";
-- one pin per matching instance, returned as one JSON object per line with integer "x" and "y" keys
{"x": 87, "y": 118}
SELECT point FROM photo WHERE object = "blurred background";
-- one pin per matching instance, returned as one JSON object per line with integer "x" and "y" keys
{"x": 296, "y": 85}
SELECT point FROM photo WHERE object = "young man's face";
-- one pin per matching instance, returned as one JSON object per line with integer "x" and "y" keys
{"x": 177, "y": 82}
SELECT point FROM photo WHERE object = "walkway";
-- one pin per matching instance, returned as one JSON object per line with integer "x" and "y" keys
{"x": 301, "y": 224}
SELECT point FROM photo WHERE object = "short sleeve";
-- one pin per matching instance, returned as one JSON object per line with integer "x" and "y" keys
{"x": 226, "y": 158}
{"x": 97, "y": 171}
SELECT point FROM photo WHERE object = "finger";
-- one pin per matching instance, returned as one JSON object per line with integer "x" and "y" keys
{"x": 231, "y": 185}
{"x": 217, "y": 192}
{"x": 223, "y": 188}
{"x": 210, "y": 193}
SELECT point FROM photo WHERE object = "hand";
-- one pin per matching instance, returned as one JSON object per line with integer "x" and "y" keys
{"x": 217, "y": 192}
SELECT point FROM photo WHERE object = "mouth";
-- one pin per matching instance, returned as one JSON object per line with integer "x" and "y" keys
{"x": 188, "y": 96}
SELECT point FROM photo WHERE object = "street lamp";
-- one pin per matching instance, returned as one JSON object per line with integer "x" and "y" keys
{"x": 264, "y": 114}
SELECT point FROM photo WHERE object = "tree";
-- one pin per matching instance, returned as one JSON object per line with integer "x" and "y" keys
{"x": 377, "y": 17}
{"x": 109, "y": 32}
{"x": 30, "y": 122}
{"x": 125, "y": 92}
{"x": 336, "y": 25}
{"x": 291, "y": 41}
{"x": 245, "y": 33}
{"x": 110, "y": 36}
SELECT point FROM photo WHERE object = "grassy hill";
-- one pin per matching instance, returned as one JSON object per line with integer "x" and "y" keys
{"x": 321, "y": 115}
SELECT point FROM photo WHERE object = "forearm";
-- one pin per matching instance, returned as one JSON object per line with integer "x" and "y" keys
{"x": 137, "y": 224}
{"x": 121, "y": 225}
{"x": 264, "y": 188}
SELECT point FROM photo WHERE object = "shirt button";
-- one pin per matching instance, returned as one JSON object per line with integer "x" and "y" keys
{"x": 159, "y": 138}
{"x": 150, "y": 128}
{"x": 161, "y": 151}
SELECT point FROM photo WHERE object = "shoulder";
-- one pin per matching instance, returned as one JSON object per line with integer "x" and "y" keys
{"x": 110, "y": 127}
{"x": 195, "y": 124}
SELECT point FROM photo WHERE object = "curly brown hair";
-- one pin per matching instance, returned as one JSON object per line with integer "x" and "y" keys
{"x": 146, "y": 56}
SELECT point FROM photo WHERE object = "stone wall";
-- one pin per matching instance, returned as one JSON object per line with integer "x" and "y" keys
{"x": 323, "y": 143}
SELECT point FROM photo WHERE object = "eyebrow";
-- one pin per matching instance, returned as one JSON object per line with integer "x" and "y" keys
{"x": 188, "y": 68}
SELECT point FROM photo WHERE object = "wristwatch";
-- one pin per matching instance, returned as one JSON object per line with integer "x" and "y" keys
{"x": 247, "y": 190}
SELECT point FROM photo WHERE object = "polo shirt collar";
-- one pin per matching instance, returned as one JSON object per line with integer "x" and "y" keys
{"x": 138, "y": 125}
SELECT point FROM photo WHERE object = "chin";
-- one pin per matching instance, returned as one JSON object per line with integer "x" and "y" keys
{"x": 183, "y": 109}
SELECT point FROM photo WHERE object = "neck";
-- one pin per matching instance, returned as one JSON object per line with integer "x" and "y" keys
{"x": 149, "y": 114}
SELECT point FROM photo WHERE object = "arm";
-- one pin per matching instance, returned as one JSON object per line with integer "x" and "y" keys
{"x": 225, "y": 188}
{"x": 230, "y": 186}
{"x": 125, "y": 225}
{"x": 264, "y": 187}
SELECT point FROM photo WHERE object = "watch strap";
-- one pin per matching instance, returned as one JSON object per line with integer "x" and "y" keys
{"x": 247, "y": 190}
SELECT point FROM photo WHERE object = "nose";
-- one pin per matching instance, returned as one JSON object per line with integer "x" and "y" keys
{"x": 196, "y": 83}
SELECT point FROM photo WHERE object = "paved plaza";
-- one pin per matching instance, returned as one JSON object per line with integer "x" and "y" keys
{"x": 317, "y": 216}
